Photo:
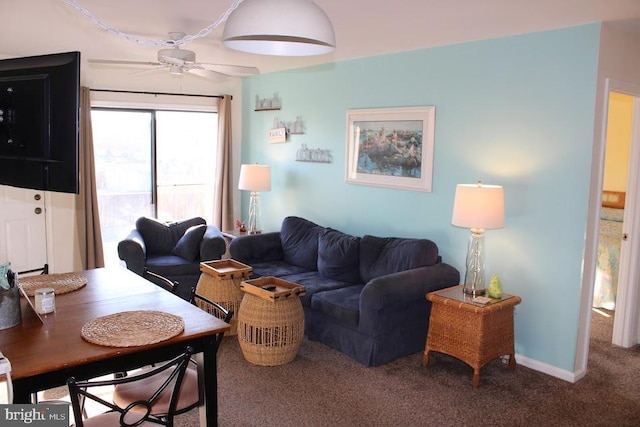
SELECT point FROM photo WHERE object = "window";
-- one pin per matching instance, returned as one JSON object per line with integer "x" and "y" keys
{"x": 154, "y": 163}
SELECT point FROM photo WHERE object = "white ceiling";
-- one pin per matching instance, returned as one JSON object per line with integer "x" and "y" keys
{"x": 363, "y": 27}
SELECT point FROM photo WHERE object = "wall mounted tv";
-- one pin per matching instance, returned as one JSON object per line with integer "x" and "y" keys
{"x": 39, "y": 122}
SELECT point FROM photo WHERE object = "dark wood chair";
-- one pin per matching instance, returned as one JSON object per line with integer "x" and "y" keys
{"x": 170, "y": 285}
{"x": 125, "y": 395}
{"x": 168, "y": 379}
{"x": 42, "y": 270}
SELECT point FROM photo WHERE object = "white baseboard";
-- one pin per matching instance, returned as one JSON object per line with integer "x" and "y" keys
{"x": 550, "y": 370}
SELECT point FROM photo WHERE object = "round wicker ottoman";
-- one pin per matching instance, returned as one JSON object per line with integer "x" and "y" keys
{"x": 270, "y": 322}
{"x": 220, "y": 282}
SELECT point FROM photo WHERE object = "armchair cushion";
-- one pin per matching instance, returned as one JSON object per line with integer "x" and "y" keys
{"x": 188, "y": 247}
{"x": 160, "y": 238}
{"x": 156, "y": 235}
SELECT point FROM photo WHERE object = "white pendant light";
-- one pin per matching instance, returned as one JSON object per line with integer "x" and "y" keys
{"x": 279, "y": 27}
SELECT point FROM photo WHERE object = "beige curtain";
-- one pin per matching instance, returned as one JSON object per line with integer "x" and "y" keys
{"x": 223, "y": 190}
{"x": 88, "y": 215}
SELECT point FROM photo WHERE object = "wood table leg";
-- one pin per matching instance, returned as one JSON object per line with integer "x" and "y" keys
{"x": 425, "y": 358}
{"x": 476, "y": 378}
{"x": 512, "y": 362}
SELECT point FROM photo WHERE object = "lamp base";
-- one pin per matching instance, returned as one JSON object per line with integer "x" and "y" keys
{"x": 474, "y": 276}
{"x": 254, "y": 214}
{"x": 473, "y": 292}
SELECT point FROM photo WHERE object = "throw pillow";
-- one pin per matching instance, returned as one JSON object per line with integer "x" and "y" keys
{"x": 299, "y": 239}
{"x": 188, "y": 247}
{"x": 178, "y": 228}
{"x": 157, "y": 236}
{"x": 339, "y": 256}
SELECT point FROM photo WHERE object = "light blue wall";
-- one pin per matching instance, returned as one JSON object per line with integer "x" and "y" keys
{"x": 516, "y": 111}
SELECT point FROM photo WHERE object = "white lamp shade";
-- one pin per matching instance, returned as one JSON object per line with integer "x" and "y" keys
{"x": 279, "y": 27}
{"x": 255, "y": 178}
{"x": 478, "y": 206}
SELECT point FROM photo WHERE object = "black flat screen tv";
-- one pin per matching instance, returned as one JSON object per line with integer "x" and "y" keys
{"x": 40, "y": 121}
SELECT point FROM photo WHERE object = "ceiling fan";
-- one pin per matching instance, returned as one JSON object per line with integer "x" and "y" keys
{"x": 178, "y": 61}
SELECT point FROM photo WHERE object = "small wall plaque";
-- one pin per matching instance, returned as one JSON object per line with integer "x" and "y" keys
{"x": 277, "y": 135}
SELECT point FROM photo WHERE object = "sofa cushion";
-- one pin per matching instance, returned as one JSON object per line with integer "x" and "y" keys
{"x": 275, "y": 268}
{"x": 339, "y": 256}
{"x": 313, "y": 282}
{"x": 188, "y": 247}
{"x": 380, "y": 256}
{"x": 299, "y": 239}
{"x": 342, "y": 304}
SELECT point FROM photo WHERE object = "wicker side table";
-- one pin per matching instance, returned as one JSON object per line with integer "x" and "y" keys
{"x": 270, "y": 322}
{"x": 473, "y": 334}
{"x": 220, "y": 282}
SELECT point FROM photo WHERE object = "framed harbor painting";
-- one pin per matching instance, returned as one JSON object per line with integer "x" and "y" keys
{"x": 391, "y": 147}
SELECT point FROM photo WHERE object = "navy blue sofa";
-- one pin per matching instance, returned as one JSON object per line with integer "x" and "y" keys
{"x": 365, "y": 296}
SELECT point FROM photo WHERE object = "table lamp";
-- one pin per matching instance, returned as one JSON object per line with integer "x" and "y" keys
{"x": 254, "y": 178}
{"x": 478, "y": 207}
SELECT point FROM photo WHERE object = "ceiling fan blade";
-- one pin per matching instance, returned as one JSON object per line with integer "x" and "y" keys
{"x": 151, "y": 70}
{"x": 118, "y": 62}
{"x": 208, "y": 74}
{"x": 231, "y": 70}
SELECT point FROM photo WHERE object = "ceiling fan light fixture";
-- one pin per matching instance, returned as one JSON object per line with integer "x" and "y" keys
{"x": 175, "y": 54}
{"x": 279, "y": 27}
{"x": 176, "y": 70}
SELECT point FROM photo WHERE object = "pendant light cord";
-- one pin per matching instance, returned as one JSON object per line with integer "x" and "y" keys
{"x": 149, "y": 42}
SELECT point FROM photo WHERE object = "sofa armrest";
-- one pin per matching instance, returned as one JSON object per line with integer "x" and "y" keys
{"x": 398, "y": 290}
{"x": 213, "y": 245}
{"x": 133, "y": 252}
{"x": 257, "y": 248}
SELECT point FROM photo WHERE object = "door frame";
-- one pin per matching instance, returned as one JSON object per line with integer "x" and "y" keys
{"x": 623, "y": 323}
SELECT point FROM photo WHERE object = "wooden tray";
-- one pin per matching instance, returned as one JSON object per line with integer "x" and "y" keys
{"x": 226, "y": 268}
{"x": 284, "y": 289}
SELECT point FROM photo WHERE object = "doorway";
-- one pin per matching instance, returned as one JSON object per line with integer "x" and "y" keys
{"x": 611, "y": 216}
{"x": 626, "y": 323}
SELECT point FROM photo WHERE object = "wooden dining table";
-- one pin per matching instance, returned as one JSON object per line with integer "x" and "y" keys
{"x": 45, "y": 355}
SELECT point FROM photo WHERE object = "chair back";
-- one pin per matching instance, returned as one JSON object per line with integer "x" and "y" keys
{"x": 42, "y": 270}
{"x": 136, "y": 412}
{"x": 213, "y": 308}
{"x": 163, "y": 282}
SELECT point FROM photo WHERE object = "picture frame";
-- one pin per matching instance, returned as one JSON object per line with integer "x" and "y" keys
{"x": 391, "y": 147}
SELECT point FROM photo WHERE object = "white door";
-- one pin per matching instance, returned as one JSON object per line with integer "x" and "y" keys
{"x": 23, "y": 239}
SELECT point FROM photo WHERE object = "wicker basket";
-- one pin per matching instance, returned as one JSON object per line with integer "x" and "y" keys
{"x": 270, "y": 330}
{"x": 220, "y": 282}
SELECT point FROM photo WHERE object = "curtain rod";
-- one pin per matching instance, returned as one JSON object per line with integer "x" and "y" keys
{"x": 157, "y": 93}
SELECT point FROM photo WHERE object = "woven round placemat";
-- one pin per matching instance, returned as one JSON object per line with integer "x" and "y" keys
{"x": 60, "y": 282}
{"x": 132, "y": 328}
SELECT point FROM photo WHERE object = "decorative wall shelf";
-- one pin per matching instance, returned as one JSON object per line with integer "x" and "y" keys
{"x": 268, "y": 104}
{"x": 293, "y": 128}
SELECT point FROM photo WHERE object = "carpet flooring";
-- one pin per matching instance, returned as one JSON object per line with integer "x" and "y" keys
{"x": 323, "y": 387}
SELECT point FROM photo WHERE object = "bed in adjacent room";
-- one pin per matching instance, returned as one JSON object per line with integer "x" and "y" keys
{"x": 609, "y": 241}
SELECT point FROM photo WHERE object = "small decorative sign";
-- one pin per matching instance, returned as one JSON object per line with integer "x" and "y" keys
{"x": 277, "y": 135}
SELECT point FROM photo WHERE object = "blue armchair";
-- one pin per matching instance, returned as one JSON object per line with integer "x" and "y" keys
{"x": 173, "y": 250}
